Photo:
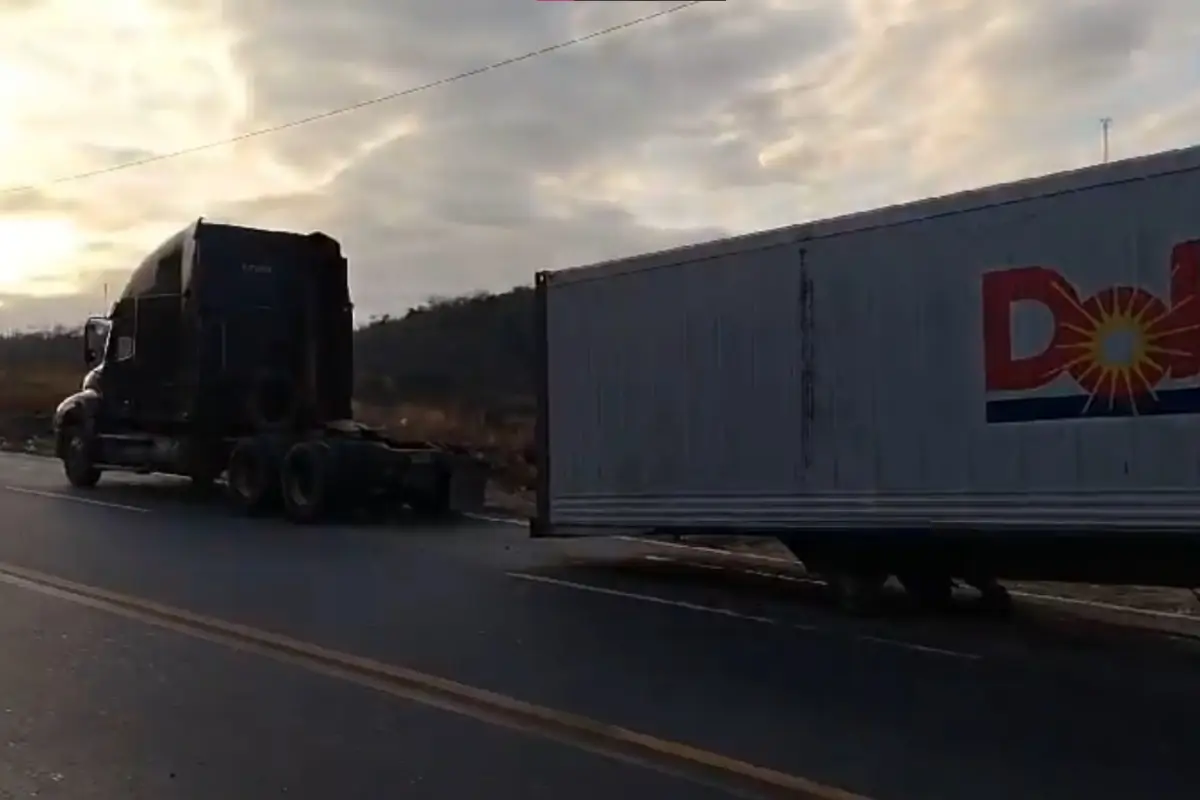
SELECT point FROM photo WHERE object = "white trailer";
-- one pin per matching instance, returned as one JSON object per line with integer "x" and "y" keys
{"x": 998, "y": 383}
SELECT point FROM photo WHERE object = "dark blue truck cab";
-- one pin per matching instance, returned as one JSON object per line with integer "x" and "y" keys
{"x": 230, "y": 351}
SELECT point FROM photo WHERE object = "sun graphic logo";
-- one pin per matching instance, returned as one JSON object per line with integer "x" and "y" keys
{"x": 1118, "y": 346}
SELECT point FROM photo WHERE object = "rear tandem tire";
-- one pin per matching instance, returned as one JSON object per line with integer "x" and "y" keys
{"x": 253, "y": 477}
{"x": 309, "y": 481}
{"x": 78, "y": 464}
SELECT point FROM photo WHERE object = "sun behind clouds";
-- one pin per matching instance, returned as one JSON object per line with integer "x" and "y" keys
{"x": 86, "y": 85}
{"x": 34, "y": 252}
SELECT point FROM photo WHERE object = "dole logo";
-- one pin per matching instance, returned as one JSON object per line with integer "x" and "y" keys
{"x": 1118, "y": 346}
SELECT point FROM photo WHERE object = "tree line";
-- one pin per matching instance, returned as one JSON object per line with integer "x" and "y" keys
{"x": 474, "y": 351}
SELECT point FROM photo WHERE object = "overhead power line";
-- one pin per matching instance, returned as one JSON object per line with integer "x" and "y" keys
{"x": 348, "y": 109}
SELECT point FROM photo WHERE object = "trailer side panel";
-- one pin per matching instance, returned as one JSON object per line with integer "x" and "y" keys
{"x": 1013, "y": 358}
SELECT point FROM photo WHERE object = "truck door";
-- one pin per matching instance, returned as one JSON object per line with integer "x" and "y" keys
{"x": 119, "y": 394}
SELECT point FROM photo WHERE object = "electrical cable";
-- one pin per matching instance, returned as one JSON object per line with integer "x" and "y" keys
{"x": 354, "y": 106}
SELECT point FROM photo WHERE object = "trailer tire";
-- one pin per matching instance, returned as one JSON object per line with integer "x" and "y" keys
{"x": 252, "y": 479}
{"x": 78, "y": 462}
{"x": 309, "y": 481}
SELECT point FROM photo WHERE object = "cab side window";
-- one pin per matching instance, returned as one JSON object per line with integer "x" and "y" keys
{"x": 124, "y": 348}
{"x": 121, "y": 335}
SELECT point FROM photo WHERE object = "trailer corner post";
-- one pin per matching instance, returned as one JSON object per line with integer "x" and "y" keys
{"x": 540, "y": 524}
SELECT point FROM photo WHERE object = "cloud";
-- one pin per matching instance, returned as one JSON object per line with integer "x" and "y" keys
{"x": 713, "y": 120}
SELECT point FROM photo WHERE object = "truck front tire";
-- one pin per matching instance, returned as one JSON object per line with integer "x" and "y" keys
{"x": 78, "y": 463}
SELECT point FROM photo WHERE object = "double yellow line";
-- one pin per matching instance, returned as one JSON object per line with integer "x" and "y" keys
{"x": 673, "y": 758}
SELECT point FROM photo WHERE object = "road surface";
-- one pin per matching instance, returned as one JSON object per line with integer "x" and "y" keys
{"x": 157, "y": 647}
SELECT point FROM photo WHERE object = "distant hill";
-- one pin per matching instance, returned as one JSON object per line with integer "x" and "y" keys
{"x": 473, "y": 352}
{"x": 476, "y": 350}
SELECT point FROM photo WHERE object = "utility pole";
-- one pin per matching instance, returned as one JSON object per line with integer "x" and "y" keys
{"x": 1105, "y": 125}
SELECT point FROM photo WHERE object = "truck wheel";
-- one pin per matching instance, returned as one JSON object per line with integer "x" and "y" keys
{"x": 252, "y": 479}
{"x": 308, "y": 480}
{"x": 78, "y": 464}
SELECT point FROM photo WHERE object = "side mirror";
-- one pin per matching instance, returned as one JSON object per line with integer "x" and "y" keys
{"x": 95, "y": 336}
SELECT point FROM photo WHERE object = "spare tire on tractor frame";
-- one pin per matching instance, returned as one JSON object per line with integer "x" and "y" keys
{"x": 273, "y": 401}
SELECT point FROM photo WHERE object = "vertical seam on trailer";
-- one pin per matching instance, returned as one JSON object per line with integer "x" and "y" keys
{"x": 540, "y": 524}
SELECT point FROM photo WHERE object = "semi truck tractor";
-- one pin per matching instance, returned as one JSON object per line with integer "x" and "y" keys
{"x": 998, "y": 384}
{"x": 230, "y": 352}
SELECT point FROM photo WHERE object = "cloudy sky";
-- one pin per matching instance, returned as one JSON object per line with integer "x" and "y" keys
{"x": 723, "y": 117}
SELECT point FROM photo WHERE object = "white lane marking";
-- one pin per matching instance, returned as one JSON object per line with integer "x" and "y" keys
{"x": 710, "y": 550}
{"x": 758, "y": 572}
{"x": 1149, "y": 612}
{"x": 725, "y": 612}
{"x": 646, "y": 598}
{"x": 498, "y": 520}
{"x": 781, "y": 577}
{"x": 920, "y": 648}
{"x": 74, "y": 499}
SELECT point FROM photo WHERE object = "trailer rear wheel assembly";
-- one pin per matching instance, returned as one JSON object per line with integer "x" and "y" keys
{"x": 253, "y": 476}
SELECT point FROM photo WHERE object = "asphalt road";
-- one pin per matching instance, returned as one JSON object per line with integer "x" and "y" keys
{"x": 130, "y": 681}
